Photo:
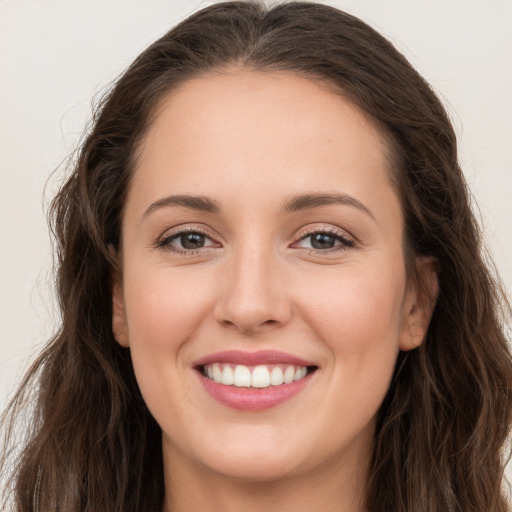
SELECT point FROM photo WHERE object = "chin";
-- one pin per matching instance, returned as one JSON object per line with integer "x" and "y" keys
{"x": 253, "y": 471}
{"x": 253, "y": 464}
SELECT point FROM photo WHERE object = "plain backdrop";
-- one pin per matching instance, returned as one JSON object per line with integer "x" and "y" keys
{"x": 55, "y": 57}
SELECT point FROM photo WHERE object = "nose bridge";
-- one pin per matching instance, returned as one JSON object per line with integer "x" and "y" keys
{"x": 252, "y": 297}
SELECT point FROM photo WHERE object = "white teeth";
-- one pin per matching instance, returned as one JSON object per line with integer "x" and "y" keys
{"x": 276, "y": 376}
{"x": 227, "y": 376}
{"x": 260, "y": 377}
{"x": 257, "y": 377}
{"x": 289, "y": 374}
{"x": 217, "y": 374}
{"x": 242, "y": 376}
{"x": 300, "y": 373}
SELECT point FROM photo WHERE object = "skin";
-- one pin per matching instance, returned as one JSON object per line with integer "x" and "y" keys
{"x": 250, "y": 141}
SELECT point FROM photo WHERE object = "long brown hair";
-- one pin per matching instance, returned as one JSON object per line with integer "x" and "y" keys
{"x": 91, "y": 444}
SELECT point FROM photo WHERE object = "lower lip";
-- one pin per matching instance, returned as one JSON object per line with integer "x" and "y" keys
{"x": 253, "y": 399}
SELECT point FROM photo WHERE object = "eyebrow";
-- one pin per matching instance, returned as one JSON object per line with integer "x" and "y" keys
{"x": 199, "y": 203}
{"x": 294, "y": 204}
{"x": 309, "y": 201}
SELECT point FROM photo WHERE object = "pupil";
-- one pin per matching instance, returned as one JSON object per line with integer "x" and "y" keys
{"x": 192, "y": 240}
{"x": 322, "y": 241}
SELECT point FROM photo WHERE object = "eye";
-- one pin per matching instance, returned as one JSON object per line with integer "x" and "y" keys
{"x": 322, "y": 240}
{"x": 187, "y": 241}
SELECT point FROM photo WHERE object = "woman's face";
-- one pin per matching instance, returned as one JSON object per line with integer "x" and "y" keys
{"x": 261, "y": 230}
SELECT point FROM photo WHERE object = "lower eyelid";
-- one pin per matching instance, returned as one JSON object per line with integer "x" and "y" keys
{"x": 343, "y": 239}
{"x": 167, "y": 241}
{"x": 344, "y": 242}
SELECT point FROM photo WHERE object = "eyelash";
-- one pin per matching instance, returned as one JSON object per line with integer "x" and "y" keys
{"x": 346, "y": 242}
{"x": 165, "y": 243}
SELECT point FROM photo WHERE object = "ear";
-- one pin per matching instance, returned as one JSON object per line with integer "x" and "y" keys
{"x": 119, "y": 323}
{"x": 419, "y": 303}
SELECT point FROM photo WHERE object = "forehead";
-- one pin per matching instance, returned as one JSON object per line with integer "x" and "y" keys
{"x": 241, "y": 129}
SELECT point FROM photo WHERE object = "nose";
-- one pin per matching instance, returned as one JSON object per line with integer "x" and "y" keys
{"x": 253, "y": 296}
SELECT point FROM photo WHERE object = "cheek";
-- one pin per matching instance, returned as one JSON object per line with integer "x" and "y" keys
{"x": 365, "y": 302}
{"x": 164, "y": 310}
{"x": 357, "y": 315}
{"x": 360, "y": 326}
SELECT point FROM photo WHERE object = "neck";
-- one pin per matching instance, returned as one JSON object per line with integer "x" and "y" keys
{"x": 336, "y": 486}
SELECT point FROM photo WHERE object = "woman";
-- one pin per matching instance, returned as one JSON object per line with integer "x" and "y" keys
{"x": 271, "y": 285}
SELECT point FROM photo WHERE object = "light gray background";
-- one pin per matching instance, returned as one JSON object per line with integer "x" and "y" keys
{"x": 56, "y": 56}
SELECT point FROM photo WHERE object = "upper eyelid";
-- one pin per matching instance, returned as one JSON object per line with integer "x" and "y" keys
{"x": 173, "y": 233}
{"x": 164, "y": 241}
{"x": 342, "y": 233}
{"x": 323, "y": 229}
{"x": 178, "y": 230}
{"x": 308, "y": 231}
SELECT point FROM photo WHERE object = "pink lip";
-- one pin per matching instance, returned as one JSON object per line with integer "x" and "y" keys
{"x": 252, "y": 358}
{"x": 252, "y": 399}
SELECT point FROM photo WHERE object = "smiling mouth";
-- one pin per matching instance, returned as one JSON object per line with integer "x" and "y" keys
{"x": 258, "y": 377}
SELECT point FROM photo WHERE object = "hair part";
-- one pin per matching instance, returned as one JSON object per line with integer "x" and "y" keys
{"x": 93, "y": 445}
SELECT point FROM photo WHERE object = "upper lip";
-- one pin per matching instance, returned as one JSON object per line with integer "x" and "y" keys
{"x": 252, "y": 358}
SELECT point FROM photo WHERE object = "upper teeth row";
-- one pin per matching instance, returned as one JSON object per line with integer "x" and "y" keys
{"x": 258, "y": 376}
